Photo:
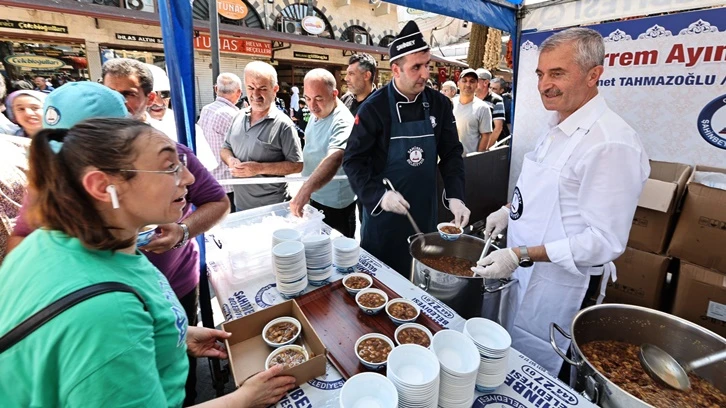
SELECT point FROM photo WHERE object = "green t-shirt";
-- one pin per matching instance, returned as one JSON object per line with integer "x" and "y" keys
{"x": 104, "y": 352}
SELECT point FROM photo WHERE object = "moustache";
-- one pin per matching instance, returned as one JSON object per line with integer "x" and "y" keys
{"x": 551, "y": 93}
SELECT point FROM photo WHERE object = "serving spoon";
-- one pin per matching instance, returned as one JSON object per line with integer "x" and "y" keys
{"x": 426, "y": 249}
{"x": 663, "y": 368}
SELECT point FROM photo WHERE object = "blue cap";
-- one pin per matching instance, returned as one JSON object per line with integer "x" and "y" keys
{"x": 77, "y": 101}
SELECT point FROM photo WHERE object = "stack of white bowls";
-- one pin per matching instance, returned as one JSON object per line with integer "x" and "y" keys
{"x": 459, "y": 360}
{"x": 346, "y": 252}
{"x": 368, "y": 390}
{"x": 493, "y": 343}
{"x": 319, "y": 258}
{"x": 414, "y": 371}
{"x": 291, "y": 274}
{"x": 285, "y": 234}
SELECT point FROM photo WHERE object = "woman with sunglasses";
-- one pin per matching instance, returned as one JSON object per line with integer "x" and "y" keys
{"x": 93, "y": 194}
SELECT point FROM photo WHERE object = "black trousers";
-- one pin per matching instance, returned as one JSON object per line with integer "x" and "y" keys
{"x": 190, "y": 302}
{"x": 341, "y": 219}
{"x": 232, "y": 208}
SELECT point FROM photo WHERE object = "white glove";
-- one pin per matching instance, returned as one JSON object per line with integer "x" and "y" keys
{"x": 394, "y": 202}
{"x": 461, "y": 213}
{"x": 499, "y": 264}
{"x": 497, "y": 221}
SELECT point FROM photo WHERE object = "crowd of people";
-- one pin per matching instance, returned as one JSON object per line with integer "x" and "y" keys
{"x": 105, "y": 162}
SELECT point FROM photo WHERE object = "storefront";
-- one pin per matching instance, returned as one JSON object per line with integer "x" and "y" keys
{"x": 26, "y": 56}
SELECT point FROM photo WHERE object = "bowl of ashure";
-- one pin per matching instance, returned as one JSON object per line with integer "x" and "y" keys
{"x": 145, "y": 235}
{"x": 288, "y": 356}
{"x": 281, "y": 331}
{"x": 449, "y": 231}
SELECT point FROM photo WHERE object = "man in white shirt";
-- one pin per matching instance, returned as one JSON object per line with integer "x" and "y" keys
{"x": 473, "y": 116}
{"x": 574, "y": 201}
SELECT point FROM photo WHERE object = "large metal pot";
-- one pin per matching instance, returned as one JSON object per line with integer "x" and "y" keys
{"x": 636, "y": 325}
{"x": 468, "y": 296}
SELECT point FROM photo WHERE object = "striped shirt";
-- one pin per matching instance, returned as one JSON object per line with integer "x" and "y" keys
{"x": 215, "y": 120}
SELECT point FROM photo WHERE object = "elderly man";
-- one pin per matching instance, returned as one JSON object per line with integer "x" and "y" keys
{"x": 173, "y": 249}
{"x": 496, "y": 104}
{"x": 216, "y": 120}
{"x": 573, "y": 203}
{"x": 449, "y": 89}
{"x": 261, "y": 142}
{"x": 42, "y": 85}
{"x": 473, "y": 116}
{"x": 326, "y": 137}
{"x": 400, "y": 134}
{"x": 359, "y": 78}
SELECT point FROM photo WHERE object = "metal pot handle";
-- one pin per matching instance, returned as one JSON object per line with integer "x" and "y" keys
{"x": 500, "y": 288}
{"x": 410, "y": 238}
{"x": 591, "y": 391}
{"x": 427, "y": 281}
{"x": 553, "y": 343}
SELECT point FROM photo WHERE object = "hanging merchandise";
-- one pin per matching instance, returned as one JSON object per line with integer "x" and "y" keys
{"x": 493, "y": 49}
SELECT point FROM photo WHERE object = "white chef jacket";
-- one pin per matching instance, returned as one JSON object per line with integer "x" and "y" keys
{"x": 599, "y": 185}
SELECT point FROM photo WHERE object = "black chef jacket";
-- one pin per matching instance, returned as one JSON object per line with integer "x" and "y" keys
{"x": 367, "y": 151}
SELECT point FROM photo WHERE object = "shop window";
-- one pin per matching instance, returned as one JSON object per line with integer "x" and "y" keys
{"x": 290, "y": 20}
{"x": 357, "y": 34}
{"x": 57, "y": 62}
{"x": 200, "y": 11}
{"x": 386, "y": 41}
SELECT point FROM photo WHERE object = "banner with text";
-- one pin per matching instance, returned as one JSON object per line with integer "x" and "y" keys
{"x": 665, "y": 75}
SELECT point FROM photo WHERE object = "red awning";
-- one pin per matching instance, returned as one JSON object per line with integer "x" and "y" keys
{"x": 79, "y": 62}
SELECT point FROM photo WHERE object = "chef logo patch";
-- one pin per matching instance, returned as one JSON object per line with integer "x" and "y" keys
{"x": 433, "y": 121}
{"x": 415, "y": 156}
{"x": 517, "y": 207}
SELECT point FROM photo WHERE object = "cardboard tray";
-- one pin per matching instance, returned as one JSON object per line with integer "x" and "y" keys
{"x": 339, "y": 322}
{"x": 248, "y": 351}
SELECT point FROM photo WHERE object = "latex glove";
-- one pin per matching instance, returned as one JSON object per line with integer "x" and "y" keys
{"x": 497, "y": 221}
{"x": 394, "y": 202}
{"x": 499, "y": 264}
{"x": 461, "y": 213}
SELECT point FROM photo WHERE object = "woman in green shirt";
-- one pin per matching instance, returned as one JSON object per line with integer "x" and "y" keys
{"x": 96, "y": 185}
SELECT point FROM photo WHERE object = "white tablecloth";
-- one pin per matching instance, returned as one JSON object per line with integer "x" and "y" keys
{"x": 527, "y": 384}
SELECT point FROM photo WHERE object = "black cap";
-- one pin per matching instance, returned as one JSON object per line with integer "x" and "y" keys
{"x": 409, "y": 41}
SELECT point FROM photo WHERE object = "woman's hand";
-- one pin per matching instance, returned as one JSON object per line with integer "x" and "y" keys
{"x": 204, "y": 342}
{"x": 266, "y": 388}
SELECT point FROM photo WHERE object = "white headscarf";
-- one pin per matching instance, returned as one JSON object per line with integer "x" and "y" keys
{"x": 295, "y": 99}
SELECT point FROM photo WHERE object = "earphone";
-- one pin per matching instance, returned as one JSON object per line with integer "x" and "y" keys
{"x": 111, "y": 190}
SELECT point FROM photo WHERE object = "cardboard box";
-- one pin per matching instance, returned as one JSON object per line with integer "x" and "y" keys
{"x": 248, "y": 351}
{"x": 700, "y": 234}
{"x": 655, "y": 216}
{"x": 641, "y": 277}
{"x": 701, "y": 297}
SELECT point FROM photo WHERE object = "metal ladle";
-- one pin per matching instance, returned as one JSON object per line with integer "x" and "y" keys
{"x": 663, "y": 368}
{"x": 427, "y": 249}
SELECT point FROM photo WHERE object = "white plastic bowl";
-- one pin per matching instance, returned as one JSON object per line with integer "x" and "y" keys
{"x": 398, "y": 321}
{"x": 413, "y": 326}
{"x": 281, "y": 320}
{"x": 372, "y": 366}
{"x": 284, "y": 235}
{"x": 360, "y": 275}
{"x": 456, "y": 352}
{"x": 488, "y": 335}
{"x": 283, "y": 348}
{"x": 288, "y": 249}
{"x": 413, "y": 365}
{"x": 446, "y": 235}
{"x": 368, "y": 390}
{"x": 368, "y": 310}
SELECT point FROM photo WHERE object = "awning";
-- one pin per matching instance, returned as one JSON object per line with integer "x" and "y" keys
{"x": 79, "y": 62}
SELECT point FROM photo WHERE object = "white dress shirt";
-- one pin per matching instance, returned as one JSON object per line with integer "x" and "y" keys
{"x": 599, "y": 185}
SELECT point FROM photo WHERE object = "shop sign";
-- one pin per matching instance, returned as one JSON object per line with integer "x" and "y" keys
{"x": 232, "y": 9}
{"x": 34, "y": 61}
{"x": 310, "y": 56}
{"x": 234, "y": 45}
{"x": 139, "y": 38}
{"x": 313, "y": 25}
{"x": 27, "y": 25}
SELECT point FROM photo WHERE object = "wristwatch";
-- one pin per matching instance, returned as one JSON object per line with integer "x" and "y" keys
{"x": 185, "y": 239}
{"x": 524, "y": 260}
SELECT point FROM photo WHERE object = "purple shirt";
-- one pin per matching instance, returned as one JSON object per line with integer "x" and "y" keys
{"x": 181, "y": 265}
